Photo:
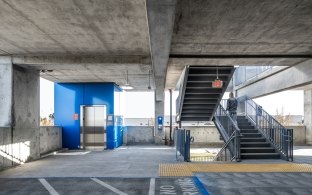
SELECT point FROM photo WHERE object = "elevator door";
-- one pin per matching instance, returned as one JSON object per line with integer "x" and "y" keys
{"x": 94, "y": 128}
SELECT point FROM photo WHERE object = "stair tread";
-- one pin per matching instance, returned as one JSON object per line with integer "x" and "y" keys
{"x": 254, "y": 142}
{"x": 257, "y": 148}
{"x": 265, "y": 153}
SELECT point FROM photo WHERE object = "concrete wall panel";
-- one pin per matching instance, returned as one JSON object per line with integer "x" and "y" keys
{"x": 299, "y": 133}
{"x": 6, "y": 73}
{"x": 26, "y": 109}
{"x": 50, "y": 139}
{"x": 139, "y": 135}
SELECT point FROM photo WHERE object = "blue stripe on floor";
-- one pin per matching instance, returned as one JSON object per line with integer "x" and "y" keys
{"x": 200, "y": 186}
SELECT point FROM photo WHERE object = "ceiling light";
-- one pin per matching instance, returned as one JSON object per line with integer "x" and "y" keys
{"x": 149, "y": 80}
{"x": 127, "y": 86}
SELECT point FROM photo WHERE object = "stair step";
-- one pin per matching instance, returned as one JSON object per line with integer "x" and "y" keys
{"x": 253, "y": 139}
{"x": 244, "y": 123}
{"x": 257, "y": 150}
{"x": 255, "y": 144}
{"x": 249, "y": 131}
{"x": 260, "y": 156}
{"x": 246, "y": 127}
{"x": 247, "y": 135}
{"x": 243, "y": 120}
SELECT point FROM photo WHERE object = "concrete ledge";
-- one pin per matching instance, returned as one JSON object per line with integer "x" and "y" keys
{"x": 50, "y": 139}
{"x": 299, "y": 135}
{"x": 136, "y": 135}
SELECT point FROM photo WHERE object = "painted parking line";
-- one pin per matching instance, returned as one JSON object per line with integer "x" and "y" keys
{"x": 152, "y": 187}
{"x": 50, "y": 189}
{"x": 108, "y": 186}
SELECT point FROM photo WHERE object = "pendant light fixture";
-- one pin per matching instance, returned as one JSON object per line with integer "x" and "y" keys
{"x": 127, "y": 86}
{"x": 149, "y": 80}
{"x": 217, "y": 83}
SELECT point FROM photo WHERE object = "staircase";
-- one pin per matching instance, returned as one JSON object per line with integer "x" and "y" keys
{"x": 197, "y": 99}
{"x": 252, "y": 143}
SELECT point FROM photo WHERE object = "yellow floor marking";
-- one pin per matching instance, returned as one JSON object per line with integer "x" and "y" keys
{"x": 187, "y": 169}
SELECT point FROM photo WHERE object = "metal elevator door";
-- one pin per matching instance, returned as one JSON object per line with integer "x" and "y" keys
{"x": 94, "y": 127}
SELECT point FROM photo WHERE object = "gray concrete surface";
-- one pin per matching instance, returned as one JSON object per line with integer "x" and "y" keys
{"x": 110, "y": 36}
{"x": 6, "y": 78}
{"x": 257, "y": 183}
{"x": 26, "y": 111}
{"x": 5, "y": 148}
{"x": 139, "y": 135}
{"x": 122, "y": 186}
{"x": 161, "y": 15}
{"x": 308, "y": 114}
{"x": 299, "y": 134}
{"x": 208, "y": 28}
{"x": 74, "y": 27}
{"x": 126, "y": 161}
{"x": 131, "y": 170}
{"x": 50, "y": 139}
{"x": 206, "y": 135}
{"x": 286, "y": 79}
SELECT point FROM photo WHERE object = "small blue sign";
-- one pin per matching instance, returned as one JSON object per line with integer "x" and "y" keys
{"x": 160, "y": 122}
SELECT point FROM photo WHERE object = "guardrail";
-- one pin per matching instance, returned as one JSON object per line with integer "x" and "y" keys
{"x": 182, "y": 144}
{"x": 280, "y": 137}
{"x": 181, "y": 86}
{"x": 230, "y": 133}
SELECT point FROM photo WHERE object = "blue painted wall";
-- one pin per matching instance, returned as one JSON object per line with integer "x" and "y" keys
{"x": 68, "y": 97}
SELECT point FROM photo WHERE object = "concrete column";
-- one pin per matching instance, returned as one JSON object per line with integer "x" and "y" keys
{"x": 6, "y": 84}
{"x": 20, "y": 114}
{"x": 159, "y": 111}
{"x": 308, "y": 115}
{"x": 26, "y": 112}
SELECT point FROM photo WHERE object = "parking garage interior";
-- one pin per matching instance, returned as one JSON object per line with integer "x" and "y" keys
{"x": 93, "y": 51}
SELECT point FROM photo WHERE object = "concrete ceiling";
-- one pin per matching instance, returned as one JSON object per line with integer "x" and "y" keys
{"x": 98, "y": 41}
{"x": 81, "y": 41}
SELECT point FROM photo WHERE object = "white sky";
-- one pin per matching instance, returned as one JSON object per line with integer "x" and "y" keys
{"x": 291, "y": 101}
{"x": 141, "y": 104}
{"x": 46, "y": 98}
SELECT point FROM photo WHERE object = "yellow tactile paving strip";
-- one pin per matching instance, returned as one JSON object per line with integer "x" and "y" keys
{"x": 187, "y": 169}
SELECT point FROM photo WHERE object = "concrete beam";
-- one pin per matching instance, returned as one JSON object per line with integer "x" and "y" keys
{"x": 289, "y": 78}
{"x": 176, "y": 65}
{"x": 6, "y": 93}
{"x": 161, "y": 14}
{"x": 84, "y": 59}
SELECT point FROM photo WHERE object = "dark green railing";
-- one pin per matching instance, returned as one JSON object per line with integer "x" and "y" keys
{"x": 231, "y": 135}
{"x": 280, "y": 137}
{"x": 182, "y": 144}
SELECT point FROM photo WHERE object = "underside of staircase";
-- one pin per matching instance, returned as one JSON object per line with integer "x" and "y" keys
{"x": 200, "y": 99}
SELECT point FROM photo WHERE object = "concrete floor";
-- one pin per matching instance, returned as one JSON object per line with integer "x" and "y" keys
{"x": 134, "y": 170}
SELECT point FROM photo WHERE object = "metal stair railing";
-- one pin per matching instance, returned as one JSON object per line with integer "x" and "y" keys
{"x": 181, "y": 86}
{"x": 182, "y": 144}
{"x": 280, "y": 137}
{"x": 230, "y": 133}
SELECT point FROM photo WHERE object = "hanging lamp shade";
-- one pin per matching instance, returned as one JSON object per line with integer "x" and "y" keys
{"x": 127, "y": 86}
{"x": 217, "y": 83}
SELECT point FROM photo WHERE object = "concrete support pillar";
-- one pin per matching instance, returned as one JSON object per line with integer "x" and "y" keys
{"x": 308, "y": 115}
{"x": 26, "y": 111}
{"x": 159, "y": 133}
{"x": 6, "y": 92}
{"x": 20, "y": 114}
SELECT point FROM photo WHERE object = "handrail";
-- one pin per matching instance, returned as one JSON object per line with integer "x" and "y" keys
{"x": 224, "y": 148}
{"x": 280, "y": 137}
{"x": 229, "y": 131}
{"x": 181, "y": 86}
